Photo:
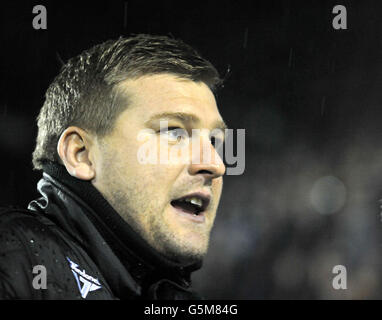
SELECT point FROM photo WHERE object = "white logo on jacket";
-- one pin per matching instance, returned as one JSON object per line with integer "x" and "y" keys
{"x": 89, "y": 283}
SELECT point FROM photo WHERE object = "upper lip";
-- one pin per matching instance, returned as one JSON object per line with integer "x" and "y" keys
{"x": 204, "y": 196}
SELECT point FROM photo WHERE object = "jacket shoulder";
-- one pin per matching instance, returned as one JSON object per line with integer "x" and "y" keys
{"x": 20, "y": 227}
{"x": 28, "y": 241}
{"x": 16, "y": 217}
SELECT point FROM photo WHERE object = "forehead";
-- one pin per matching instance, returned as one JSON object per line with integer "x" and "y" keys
{"x": 154, "y": 94}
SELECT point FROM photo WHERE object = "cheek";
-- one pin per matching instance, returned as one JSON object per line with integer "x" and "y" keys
{"x": 155, "y": 181}
{"x": 164, "y": 177}
{"x": 217, "y": 186}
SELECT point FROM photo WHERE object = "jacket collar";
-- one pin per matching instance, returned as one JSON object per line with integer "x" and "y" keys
{"x": 90, "y": 219}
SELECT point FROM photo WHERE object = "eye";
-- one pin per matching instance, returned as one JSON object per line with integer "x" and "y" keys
{"x": 175, "y": 134}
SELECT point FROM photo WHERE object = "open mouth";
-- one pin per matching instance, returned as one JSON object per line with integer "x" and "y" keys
{"x": 193, "y": 204}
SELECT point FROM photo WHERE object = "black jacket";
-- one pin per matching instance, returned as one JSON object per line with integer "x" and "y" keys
{"x": 87, "y": 249}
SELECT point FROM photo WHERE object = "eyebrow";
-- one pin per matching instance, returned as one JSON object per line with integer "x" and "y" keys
{"x": 184, "y": 117}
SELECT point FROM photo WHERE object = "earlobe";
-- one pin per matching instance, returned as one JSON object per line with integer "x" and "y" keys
{"x": 74, "y": 148}
{"x": 83, "y": 172}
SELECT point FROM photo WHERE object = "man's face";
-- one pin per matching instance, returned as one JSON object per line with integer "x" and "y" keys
{"x": 160, "y": 200}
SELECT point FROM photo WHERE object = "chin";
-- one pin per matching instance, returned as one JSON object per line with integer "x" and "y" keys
{"x": 185, "y": 254}
{"x": 186, "y": 258}
{"x": 182, "y": 247}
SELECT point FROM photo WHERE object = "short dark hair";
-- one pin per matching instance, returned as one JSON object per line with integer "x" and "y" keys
{"x": 84, "y": 93}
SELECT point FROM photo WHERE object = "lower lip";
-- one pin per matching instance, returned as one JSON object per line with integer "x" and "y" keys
{"x": 195, "y": 218}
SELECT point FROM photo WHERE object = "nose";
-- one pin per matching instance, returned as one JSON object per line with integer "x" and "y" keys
{"x": 206, "y": 161}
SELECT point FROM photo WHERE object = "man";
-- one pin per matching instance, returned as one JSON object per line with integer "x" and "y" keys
{"x": 110, "y": 225}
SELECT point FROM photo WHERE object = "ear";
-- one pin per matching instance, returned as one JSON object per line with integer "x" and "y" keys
{"x": 75, "y": 150}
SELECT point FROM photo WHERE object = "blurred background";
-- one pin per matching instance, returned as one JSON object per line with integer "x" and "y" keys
{"x": 309, "y": 97}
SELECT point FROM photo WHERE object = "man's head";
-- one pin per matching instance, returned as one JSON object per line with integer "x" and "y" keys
{"x": 110, "y": 95}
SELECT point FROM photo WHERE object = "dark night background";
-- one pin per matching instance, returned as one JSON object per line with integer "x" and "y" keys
{"x": 309, "y": 97}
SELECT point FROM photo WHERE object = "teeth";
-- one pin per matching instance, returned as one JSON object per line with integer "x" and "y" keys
{"x": 195, "y": 201}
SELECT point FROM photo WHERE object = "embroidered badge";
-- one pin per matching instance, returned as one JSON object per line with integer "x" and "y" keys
{"x": 85, "y": 282}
